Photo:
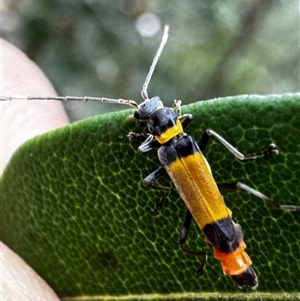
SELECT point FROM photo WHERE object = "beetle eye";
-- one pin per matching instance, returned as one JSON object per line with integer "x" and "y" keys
{"x": 136, "y": 114}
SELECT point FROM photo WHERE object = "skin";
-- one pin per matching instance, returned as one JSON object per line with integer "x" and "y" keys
{"x": 20, "y": 121}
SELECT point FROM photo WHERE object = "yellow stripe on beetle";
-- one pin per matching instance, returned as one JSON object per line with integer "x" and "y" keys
{"x": 170, "y": 133}
{"x": 192, "y": 178}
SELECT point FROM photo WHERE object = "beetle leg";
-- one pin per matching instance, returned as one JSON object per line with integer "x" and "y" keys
{"x": 240, "y": 185}
{"x": 177, "y": 107}
{"x": 134, "y": 136}
{"x": 148, "y": 144}
{"x": 182, "y": 238}
{"x": 148, "y": 183}
{"x": 271, "y": 150}
{"x": 185, "y": 120}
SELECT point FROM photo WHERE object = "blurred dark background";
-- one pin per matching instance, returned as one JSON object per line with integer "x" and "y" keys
{"x": 105, "y": 48}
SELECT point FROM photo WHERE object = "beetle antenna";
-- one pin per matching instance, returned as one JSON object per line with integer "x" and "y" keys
{"x": 164, "y": 39}
{"x": 120, "y": 101}
{"x": 130, "y": 103}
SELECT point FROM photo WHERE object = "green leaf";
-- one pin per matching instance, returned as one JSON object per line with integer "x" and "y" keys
{"x": 74, "y": 208}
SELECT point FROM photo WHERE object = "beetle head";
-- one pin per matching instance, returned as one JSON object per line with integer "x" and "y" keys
{"x": 146, "y": 108}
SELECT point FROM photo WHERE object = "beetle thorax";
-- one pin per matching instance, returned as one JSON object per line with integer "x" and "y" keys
{"x": 164, "y": 125}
